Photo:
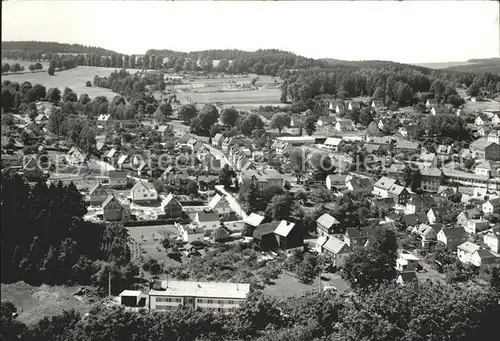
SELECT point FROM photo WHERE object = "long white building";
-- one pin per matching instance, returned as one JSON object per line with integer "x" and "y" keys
{"x": 217, "y": 296}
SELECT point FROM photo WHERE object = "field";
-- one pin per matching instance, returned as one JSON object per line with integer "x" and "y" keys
{"x": 26, "y": 64}
{"x": 287, "y": 285}
{"x": 253, "y": 97}
{"x": 73, "y": 78}
{"x": 481, "y": 106}
{"x": 34, "y": 303}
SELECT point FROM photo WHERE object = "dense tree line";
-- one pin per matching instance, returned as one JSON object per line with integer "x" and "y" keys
{"x": 45, "y": 239}
{"x": 24, "y": 48}
{"x": 429, "y": 311}
{"x": 14, "y": 95}
{"x": 389, "y": 81}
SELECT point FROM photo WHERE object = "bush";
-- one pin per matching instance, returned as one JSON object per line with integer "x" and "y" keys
{"x": 88, "y": 84}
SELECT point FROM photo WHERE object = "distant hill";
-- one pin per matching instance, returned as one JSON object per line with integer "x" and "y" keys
{"x": 490, "y": 65}
{"x": 53, "y": 47}
{"x": 442, "y": 65}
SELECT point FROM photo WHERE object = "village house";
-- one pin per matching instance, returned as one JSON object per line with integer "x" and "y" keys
{"x": 261, "y": 178}
{"x": 406, "y": 262}
{"x": 41, "y": 119}
{"x": 443, "y": 150}
{"x": 487, "y": 168}
{"x": 117, "y": 180}
{"x": 407, "y": 146}
{"x": 439, "y": 109}
{"x": 344, "y": 125}
{"x": 399, "y": 193}
{"x": 333, "y": 142}
{"x": 470, "y": 253}
{"x": 475, "y": 226}
{"x": 212, "y": 165}
{"x": 326, "y": 224}
{"x": 325, "y": 121}
{"x": 226, "y": 143}
{"x": 491, "y": 206}
{"x": 495, "y": 120}
{"x": 420, "y": 204}
{"x": 252, "y": 221}
{"x": 492, "y": 240}
{"x": 430, "y": 179}
{"x": 335, "y": 181}
{"x": 337, "y": 250}
{"x": 429, "y": 160}
{"x": 190, "y": 233}
{"x": 357, "y": 238}
{"x": 482, "y": 120}
{"x": 383, "y": 185}
{"x": 409, "y": 131}
{"x": 209, "y": 221}
{"x": 143, "y": 191}
{"x": 98, "y": 195}
{"x": 436, "y": 214}
{"x": 378, "y": 104}
{"x": 217, "y": 140}
{"x": 340, "y": 108}
{"x": 175, "y": 180}
{"x": 282, "y": 147}
{"x": 114, "y": 210}
{"x": 207, "y": 182}
{"x": 452, "y": 236}
{"x": 431, "y": 102}
{"x": 427, "y": 233}
{"x": 288, "y": 236}
{"x": 220, "y": 205}
{"x": 406, "y": 277}
{"x": 172, "y": 208}
{"x": 359, "y": 185}
{"x": 209, "y": 296}
{"x": 104, "y": 120}
{"x": 414, "y": 219}
{"x": 75, "y": 156}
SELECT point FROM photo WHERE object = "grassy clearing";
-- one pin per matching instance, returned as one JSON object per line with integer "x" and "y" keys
{"x": 255, "y": 97}
{"x": 287, "y": 285}
{"x": 34, "y": 303}
{"x": 481, "y": 106}
{"x": 73, "y": 78}
{"x": 147, "y": 243}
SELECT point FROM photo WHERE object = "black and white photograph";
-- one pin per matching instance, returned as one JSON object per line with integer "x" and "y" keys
{"x": 250, "y": 170}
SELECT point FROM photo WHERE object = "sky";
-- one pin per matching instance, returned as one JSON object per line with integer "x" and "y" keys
{"x": 408, "y": 31}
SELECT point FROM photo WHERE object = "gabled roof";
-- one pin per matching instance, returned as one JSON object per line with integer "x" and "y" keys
{"x": 204, "y": 216}
{"x": 117, "y": 175}
{"x": 111, "y": 153}
{"x": 95, "y": 187}
{"x": 284, "y": 228}
{"x": 335, "y": 245}
{"x": 254, "y": 219}
{"x": 453, "y": 232}
{"x": 144, "y": 184}
{"x": 122, "y": 159}
{"x": 333, "y": 141}
{"x": 170, "y": 199}
{"x": 385, "y": 183}
{"x": 109, "y": 199}
{"x": 327, "y": 220}
{"x": 217, "y": 137}
{"x": 396, "y": 189}
{"x": 407, "y": 145}
{"x": 468, "y": 247}
{"x": 484, "y": 254}
{"x": 363, "y": 232}
{"x": 408, "y": 276}
{"x": 439, "y": 211}
{"x": 214, "y": 201}
{"x": 265, "y": 229}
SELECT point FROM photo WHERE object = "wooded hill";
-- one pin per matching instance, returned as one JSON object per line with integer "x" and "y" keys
{"x": 53, "y": 47}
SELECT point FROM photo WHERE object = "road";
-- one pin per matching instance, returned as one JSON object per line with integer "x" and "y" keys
{"x": 233, "y": 203}
{"x": 218, "y": 154}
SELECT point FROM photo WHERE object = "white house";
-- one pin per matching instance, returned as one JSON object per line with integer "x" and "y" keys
{"x": 492, "y": 240}
{"x": 491, "y": 206}
{"x": 220, "y": 205}
{"x": 332, "y": 142}
{"x": 344, "y": 125}
{"x": 143, "y": 191}
{"x": 190, "y": 233}
{"x": 496, "y": 119}
{"x": 477, "y": 225}
{"x": 406, "y": 277}
{"x": 382, "y": 186}
{"x": 406, "y": 262}
{"x": 465, "y": 251}
{"x": 337, "y": 249}
{"x": 451, "y": 237}
{"x": 483, "y": 257}
{"x": 75, "y": 156}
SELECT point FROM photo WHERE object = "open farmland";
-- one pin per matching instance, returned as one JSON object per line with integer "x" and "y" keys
{"x": 73, "y": 78}
{"x": 488, "y": 105}
{"x": 254, "y": 97}
{"x": 26, "y": 64}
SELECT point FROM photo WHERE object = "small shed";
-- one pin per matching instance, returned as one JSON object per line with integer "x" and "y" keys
{"x": 130, "y": 298}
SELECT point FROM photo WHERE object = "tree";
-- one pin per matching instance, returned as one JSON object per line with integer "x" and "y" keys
{"x": 38, "y": 66}
{"x": 375, "y": 263}
{"x": 379, "y": 93}
{"x": 280, "y": 120}
{"x": 229, "y": 116}
{"x": 307, "y": 270}
{"x": 366, "y": 116}
{"x": 412, "y": 178}
{"x": 280, "y": 207}
{"x": 310, "y": 124}
{"x": 474, "y": 89}
{"x": 7, "y": 100}
{"x": 52, "y": 68}
{"x": 40, "y": 91}
{"x": 208, "y": 116}
{"x": 226, "y": 176}
{"x": 54, "y": 95}
{"x": 405, "y": 94}
{"x": 187, "y": 112}
{"x": 298, "y": 160}
{"x": 10, "y": 328}
{"x": 219, "y": 235}
{"x": 31, "y": 67}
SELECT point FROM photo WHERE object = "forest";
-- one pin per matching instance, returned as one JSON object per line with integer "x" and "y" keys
{"x": 45, "y": 239}
{"x": 428, "y": 311}
{"x": 21, "y": 47}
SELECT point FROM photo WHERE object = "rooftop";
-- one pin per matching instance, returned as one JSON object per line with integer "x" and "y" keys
{"x": 202, "y": 289}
